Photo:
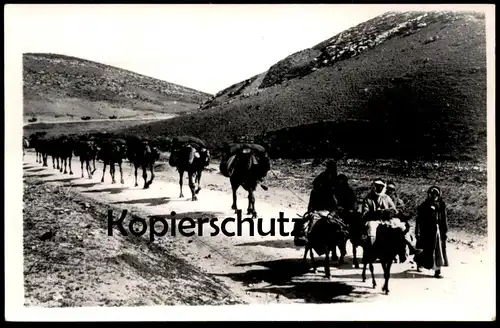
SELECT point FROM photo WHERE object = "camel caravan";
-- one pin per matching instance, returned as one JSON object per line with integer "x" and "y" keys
{"x": 378, "y": 224}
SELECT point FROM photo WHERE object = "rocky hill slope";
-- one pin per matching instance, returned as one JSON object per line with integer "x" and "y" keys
{"x": 58, "y": 86}
{"x": 410, "y": 84}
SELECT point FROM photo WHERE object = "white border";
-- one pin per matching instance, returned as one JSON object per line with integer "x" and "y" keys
{"x": 15, "y": 311}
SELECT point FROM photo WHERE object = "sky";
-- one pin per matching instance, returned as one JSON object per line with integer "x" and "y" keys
{"x": 204, "y": 47}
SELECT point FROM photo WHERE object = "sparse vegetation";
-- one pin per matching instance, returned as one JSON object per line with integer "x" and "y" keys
{"x": 417, "y": 99}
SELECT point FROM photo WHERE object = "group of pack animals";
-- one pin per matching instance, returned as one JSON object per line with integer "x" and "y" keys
{"x": 188, "y": 154}
{"x": 324, "y": 232}
{"x": 244, "y": 166}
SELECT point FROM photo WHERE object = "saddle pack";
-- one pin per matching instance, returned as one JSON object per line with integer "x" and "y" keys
{"x": 306, "y": 226}
{"x": 258, "y": 157}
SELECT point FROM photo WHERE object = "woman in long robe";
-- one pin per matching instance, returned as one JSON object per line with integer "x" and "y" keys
{"x": 431, "y": 232}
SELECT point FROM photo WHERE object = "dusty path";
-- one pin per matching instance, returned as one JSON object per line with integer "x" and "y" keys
{"x": 267, "y": 269}
{"x": 52, "y": 121}
{"x": 69, "y": 263}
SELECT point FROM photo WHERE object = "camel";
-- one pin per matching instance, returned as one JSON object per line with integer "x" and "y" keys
{"x": 142, "y": 154}
{"x": 112, "y": 152}
{"x": 186, "y": 157}
{"x": 246, "y": 168}
{"x": 61, "y": 148}
{"x": 87, "y": 151}
{"x": 38, "y": 141}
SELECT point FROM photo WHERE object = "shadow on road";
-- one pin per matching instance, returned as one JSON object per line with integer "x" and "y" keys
{"x": 117, "y": 190}
{"x": 288, "y": 278}
{"x": 281, "y": 273}
{"x": 319, "y": 260}
{"x": 66, "y": 180}
{"x": 148, "y": 201}
{"x": 46, "y": 175}
{"x": 33, "y": 169}
{"x": 86, "y": 185}
{"x": 276, "y": 243}
{"x": 316, "y": 292}
{"x": 407, "y": 274}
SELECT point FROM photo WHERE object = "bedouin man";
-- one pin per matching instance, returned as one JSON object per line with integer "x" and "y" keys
{"x": 432, "y": 230}
{"x": 375, "y": 205}
{"x": 322, "y": 196}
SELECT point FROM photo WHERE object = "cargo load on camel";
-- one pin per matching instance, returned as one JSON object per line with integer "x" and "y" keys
{"x": 178, "y": 143}
{"x": 259, "y": 158}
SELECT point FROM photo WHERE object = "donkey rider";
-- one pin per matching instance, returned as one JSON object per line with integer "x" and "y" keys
{"x": 377, "y": 202}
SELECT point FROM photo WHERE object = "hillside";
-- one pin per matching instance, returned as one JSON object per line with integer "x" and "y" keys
{"x": 401, "y": 84}
{"x": 58, "y": 86}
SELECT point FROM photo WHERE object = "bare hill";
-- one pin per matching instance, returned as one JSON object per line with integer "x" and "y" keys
{"x": 58, "y": 86}
{"x": 402, "y": 84}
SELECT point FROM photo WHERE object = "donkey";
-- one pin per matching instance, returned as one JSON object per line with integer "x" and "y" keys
{"x": 322, "y": 231}
{"x": 389, "y": 242}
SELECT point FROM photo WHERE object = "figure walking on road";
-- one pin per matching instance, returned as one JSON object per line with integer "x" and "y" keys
{"x": 431, "y": 232}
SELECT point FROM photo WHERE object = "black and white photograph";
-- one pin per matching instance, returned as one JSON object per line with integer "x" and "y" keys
{"x": 250, "y": 162}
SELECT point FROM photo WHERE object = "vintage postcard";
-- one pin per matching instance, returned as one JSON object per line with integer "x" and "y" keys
{"x": 250, "y": 162}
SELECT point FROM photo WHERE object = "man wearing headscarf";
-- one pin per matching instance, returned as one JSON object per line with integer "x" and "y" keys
{"x": 431, "y": 232}
{"x": 322, "y": 196}
{"x": 378, "y": 206}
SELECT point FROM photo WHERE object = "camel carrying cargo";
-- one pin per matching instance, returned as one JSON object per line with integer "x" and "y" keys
{"x": 259, "y": 158}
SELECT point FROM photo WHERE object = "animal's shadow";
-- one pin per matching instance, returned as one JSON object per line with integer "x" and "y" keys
{"x": 281, "y": 273}
{"x": 117, "y": 190}
{"x": 319, "y": 260}
{"x": 33, "y": 169}
{"x": 148, "y": 201}
{"x": 407, "y": 274}
{"x": 274, "y": 243}
{"x": 67, "y": 181}
{"x": 86, "y": 185}
{"x": 317, "y": 292}
{"x": 46, "y": 175}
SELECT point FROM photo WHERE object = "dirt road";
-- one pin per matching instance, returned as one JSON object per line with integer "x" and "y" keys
{"x": 266, "y": 269}
{"x": 50, "y": 121}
